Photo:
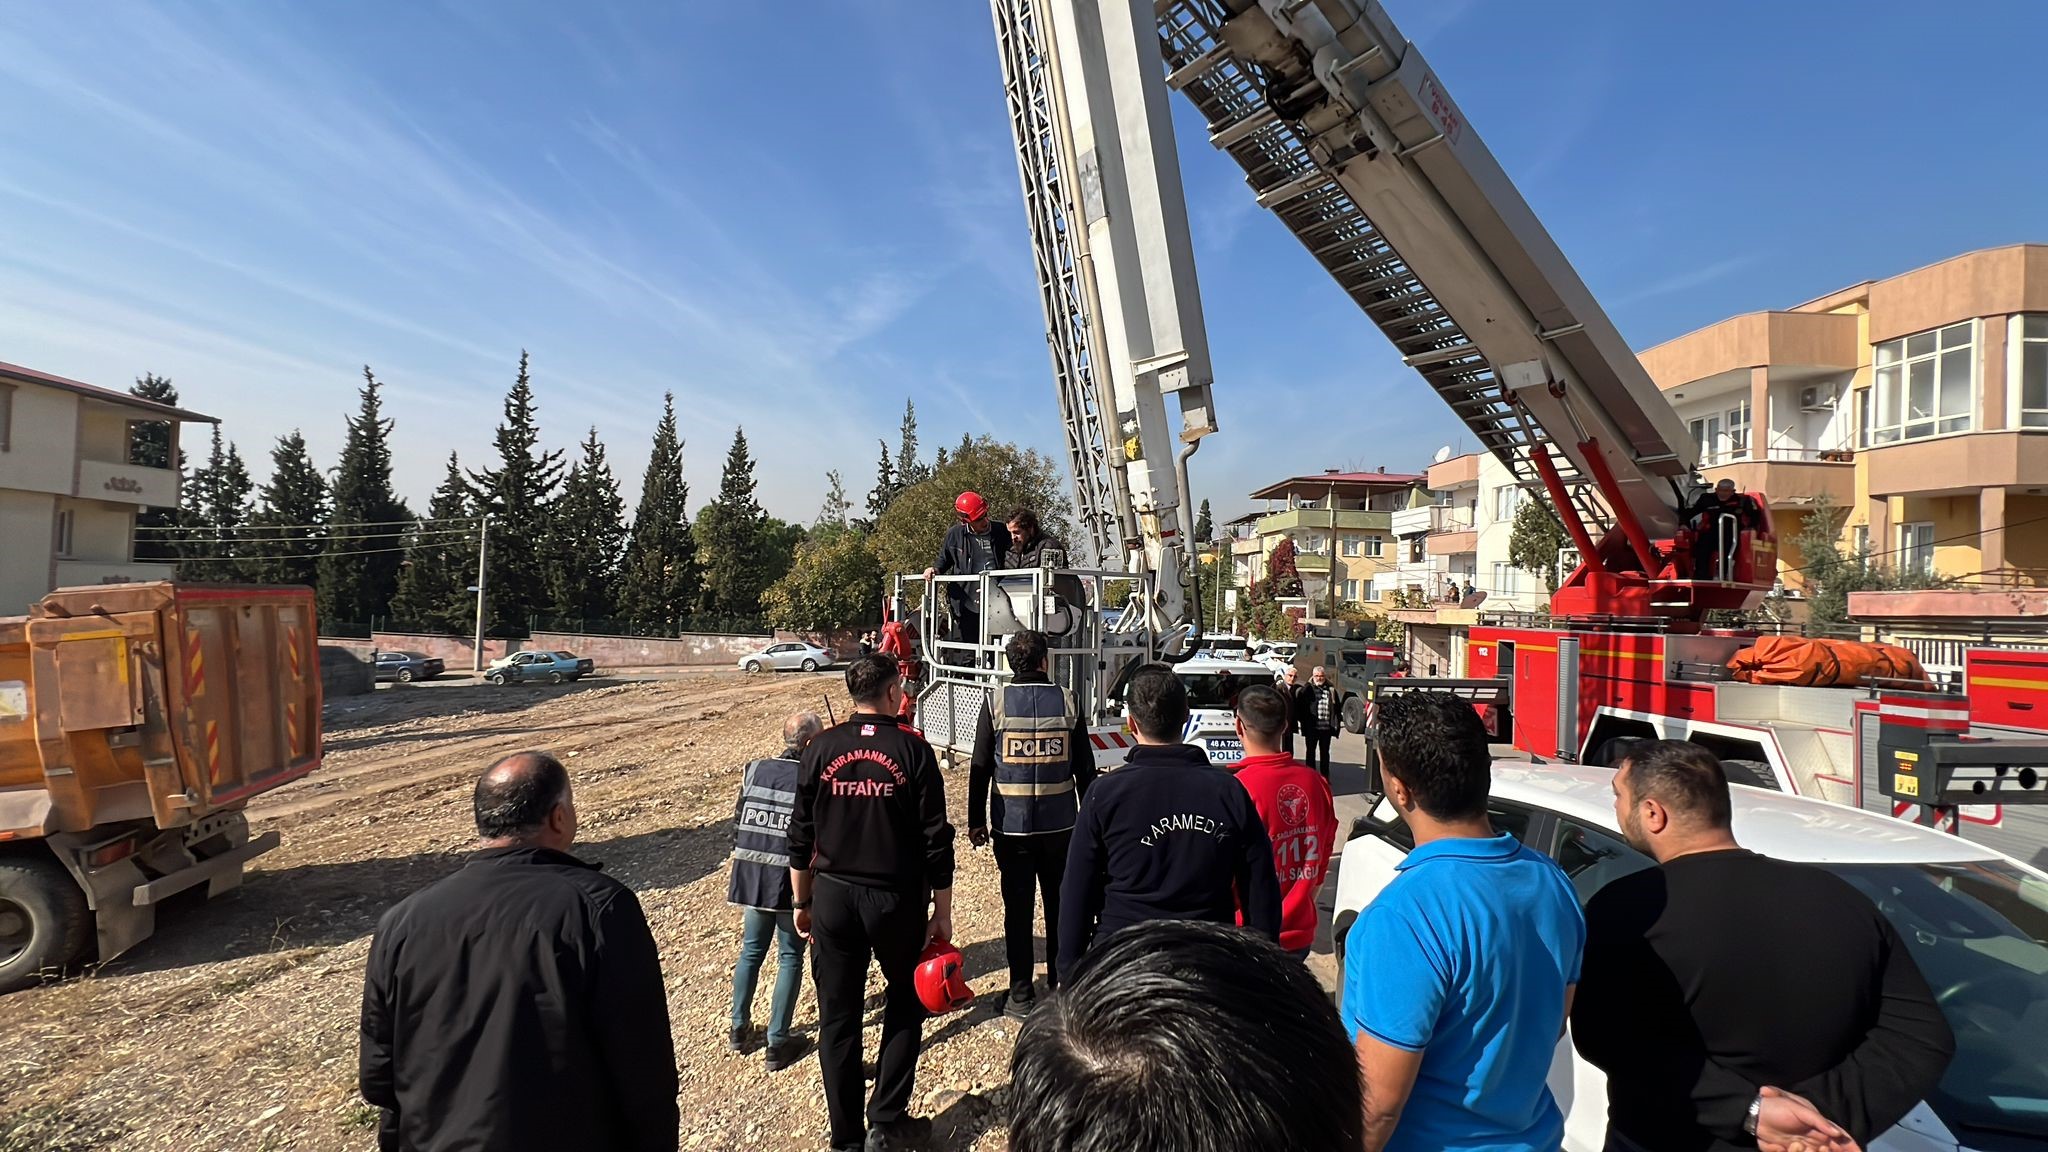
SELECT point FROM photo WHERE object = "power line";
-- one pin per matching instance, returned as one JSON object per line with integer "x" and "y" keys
{"x": 247, "y": 536}
{"x": 245, "y": 559}
{"x": 341, "y": 524}
{"x": 1973, "y": 535}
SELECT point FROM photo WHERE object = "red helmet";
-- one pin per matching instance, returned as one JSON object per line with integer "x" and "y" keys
{"x": 970, "y": 505}
{"x": 942, "y": 978}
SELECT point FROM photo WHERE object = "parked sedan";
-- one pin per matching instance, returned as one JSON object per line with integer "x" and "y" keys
{"x": 786, "y": 655}
{"x": 1975, "y": 921}
{"x": 553, "y": 667}
{"x": 406, "y": 667}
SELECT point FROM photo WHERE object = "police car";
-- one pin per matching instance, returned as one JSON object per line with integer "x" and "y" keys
{"x": 1213, "y": 686}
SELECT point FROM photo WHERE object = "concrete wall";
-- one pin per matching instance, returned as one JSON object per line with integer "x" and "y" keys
{"x": 27, "y": 524}
{"x": 343, "y": 672}
{"x": 43, "y": 442}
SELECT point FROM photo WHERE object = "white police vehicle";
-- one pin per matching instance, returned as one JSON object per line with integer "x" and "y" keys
{"x": 1975, "y": 921}
{"x": 1213, "y": 686}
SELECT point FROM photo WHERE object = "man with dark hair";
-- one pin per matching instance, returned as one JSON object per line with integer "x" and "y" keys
{"x": 1295, "y": 803}
{"x": 1458, "y": 976}
{"x": 1711, "y": 1037}
{"x": 1719, "y": 519}
{"x": 1166, "y": 836}
{"x": 1032, "y": 744}
{"x": 518, "y": 1004}
{"x": 760, "y": 885}
{"x": 870, "y": 828}
{"x": 1184, "y": 1037}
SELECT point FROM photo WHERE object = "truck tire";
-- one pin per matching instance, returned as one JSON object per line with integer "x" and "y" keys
{"x": 44, "y": 921}
{"x": 1354, "y": 714}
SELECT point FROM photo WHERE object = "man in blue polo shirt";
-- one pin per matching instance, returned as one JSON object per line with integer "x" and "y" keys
{"x": 1459, "y": 975}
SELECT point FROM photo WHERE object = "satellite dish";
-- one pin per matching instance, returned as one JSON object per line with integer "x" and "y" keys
{"x": 1442, "y": 454}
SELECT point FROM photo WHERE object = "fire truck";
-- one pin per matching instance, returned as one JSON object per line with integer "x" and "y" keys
{"x": 1350, "y": 139}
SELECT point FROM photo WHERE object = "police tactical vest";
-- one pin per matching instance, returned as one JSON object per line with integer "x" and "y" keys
{"x": 760, "y": 841}
{"x": 1033, "y": 724}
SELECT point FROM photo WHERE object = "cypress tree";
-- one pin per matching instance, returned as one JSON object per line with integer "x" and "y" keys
{"x": 658, "y": 586}
{"x": 440, "y": 565}
{"x": 215, "y": 508}
{"x": 885, "y": 489}
{"x": 149, "y": 445}
{"x": 290, "y": 518}
{"x": 517, "y": 494}
{"x": 589, "y": 523}
{"x": 832, "y": 514}
{"x": 908, "y": 469}
{"x": 367, "y": 530}
{"x": 730, "y": 533}
{"x": 1205, "y": 528}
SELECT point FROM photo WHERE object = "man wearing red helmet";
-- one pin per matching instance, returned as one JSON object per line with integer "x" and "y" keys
{"x": 973, "y": 546}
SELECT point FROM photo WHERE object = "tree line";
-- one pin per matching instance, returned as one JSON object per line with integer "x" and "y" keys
{"x": 561, "y": 551}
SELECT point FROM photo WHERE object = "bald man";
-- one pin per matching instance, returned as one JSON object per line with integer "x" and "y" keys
{"x": 518, "y": 1004}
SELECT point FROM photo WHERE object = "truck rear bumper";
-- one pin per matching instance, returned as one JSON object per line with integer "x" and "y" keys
{"x": 214, "y": 870}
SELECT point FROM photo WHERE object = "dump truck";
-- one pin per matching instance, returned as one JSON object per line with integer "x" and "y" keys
{"x": 136, "y": 723}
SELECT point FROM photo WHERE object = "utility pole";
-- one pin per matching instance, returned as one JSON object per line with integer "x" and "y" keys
{"x": 1333, "y": 553}
{"x": 483, "y": 545}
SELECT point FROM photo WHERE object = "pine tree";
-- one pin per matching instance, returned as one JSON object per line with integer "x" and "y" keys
{"x": 590, "y": 529}
{"x": 832, "y": 514}
{"x": 908, "y": 470}
{"x": 730, "y": 538}
{"x": 1205, "y": 528}
{"x": 290, "y": 519}
{"x": 367, "y": 526}
{"x": 149, "y": 446}
{"x": 215, "y": 511}
{"x": 440, "y": 565}
{"x": 518, "y": 494}
{"x": 885, "y": 489}
{"x": 658, "y": 586}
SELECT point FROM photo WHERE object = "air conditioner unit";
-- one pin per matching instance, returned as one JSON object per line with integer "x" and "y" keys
{"x": 1816, "y": 399}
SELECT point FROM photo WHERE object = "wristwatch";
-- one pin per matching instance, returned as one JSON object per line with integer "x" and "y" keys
{"x": 801, "y": 905}
{"x": 1756, "y": 1108}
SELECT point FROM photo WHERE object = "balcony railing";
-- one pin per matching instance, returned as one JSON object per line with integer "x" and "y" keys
{"x": 1295, "y": 519}
{"x": 1784, "y": 454}
{"x": 127, "y": 483}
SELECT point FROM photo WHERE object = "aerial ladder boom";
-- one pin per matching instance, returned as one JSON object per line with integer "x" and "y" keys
{"x": 1350, "y": 139}
{"x": 1089, "y": 111}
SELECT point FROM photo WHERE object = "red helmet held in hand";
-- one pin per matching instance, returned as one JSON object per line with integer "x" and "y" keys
{"x": 970, "y": 505}
{"x": 942, "y": 978}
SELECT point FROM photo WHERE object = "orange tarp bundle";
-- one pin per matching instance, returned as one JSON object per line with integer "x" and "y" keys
{"x": 1823, "y": 663}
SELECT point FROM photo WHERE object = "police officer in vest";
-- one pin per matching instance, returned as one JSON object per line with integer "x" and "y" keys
{"x": 1032, "y": 744}
{"x": 760, "y": 885}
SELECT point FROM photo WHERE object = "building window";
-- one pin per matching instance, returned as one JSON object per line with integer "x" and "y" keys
{"x": 1417, "y": 553}
{"x": 6, "y": 416}
{"x": 1351, "y": 545}
{"x": 1925, "y": 385}
{"x": 1351, "y": 589}
{"x": 1506, "y": 499}
{"x": 1738, "y": 430}
{"x": 1863, "y": 540}
{"x": 1375, "y": 546}
{"x": 67, "y": 523}
{"x": 1916, "y": 548}
{"x": 1706, "y": 437}
{"x": 2030, "y": 367}
{"x": 1506, "y": 579}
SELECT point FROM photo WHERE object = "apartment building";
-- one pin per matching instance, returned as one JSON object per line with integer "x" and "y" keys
{"x": 69, "y": 488}
{"x": 1919, "y": 403}
{"x": 1455, "y": 531}
{"x": 1342, "y": 527}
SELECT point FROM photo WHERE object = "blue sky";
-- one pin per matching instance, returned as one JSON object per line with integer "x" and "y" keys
{"x": 795, "y": 215}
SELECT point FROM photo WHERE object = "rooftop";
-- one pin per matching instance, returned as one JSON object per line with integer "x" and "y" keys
{"x": 1318, "y": 484}
{"x": 94, "y": 391}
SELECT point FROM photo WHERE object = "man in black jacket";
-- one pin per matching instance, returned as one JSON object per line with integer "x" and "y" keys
{"x": 1166, "y": 836}
{"x": 1032, "y": 743}
{"x": 871, "y": 863}
{"x": 975, "y": 545}
{"x": 518, "y": 1004}
{"x": 1734, "y": 1000}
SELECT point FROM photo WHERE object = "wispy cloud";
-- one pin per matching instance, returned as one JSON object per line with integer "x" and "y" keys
{"x": 1688, "y": 279}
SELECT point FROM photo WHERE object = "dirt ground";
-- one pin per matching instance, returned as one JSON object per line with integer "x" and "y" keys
{"x": 234, "y": 1028}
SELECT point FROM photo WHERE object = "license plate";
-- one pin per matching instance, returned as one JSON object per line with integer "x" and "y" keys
{"x": 1225, "y": 751}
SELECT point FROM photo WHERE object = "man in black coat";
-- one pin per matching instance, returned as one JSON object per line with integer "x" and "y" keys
{"x": 976, "y": 544}
{"x": 518, "y": 1004}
